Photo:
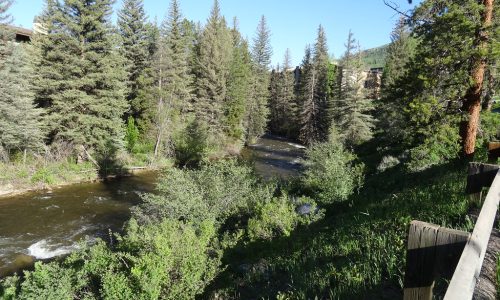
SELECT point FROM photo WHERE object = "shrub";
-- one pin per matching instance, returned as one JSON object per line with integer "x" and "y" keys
{"x": 331, "y": 172}
{"x": 191, "y": 144}
{"x": 273, "y": 218}
{"x": 175, "y": 259}
{"x": 43, "y": 175}
{"x": 216, "y": 191}
{"x": 131, "y": 135}
{"x": 440, "y": 146}
{"x": 48, "y": 281}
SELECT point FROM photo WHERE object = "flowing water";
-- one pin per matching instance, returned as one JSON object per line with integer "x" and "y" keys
{"x": 275, "y": 157}
{"x": 42, "y": 225}
{"x": 46, "y": 224}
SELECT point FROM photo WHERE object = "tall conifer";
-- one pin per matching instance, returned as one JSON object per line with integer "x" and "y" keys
{"x": 132, "y": 25}
{"x": 81, "y": 74}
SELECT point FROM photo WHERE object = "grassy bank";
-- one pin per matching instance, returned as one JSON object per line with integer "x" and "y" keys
{"x": 357, "y": 250}
{"x": 217, "y": 232}
{"x": 20, "y": 176}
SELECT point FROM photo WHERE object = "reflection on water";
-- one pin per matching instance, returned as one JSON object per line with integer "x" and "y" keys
{"x": 45, "y": 224}
{"x": 275, "y": 157}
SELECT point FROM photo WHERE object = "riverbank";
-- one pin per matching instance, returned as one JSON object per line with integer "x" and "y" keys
{"x": 20, "y": 178}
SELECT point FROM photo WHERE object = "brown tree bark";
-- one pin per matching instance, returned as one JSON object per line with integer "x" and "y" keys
{"x": 472, "y": 99}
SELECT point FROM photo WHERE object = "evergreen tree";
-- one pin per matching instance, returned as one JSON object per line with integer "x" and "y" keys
{"x": 239, "y": 84}
{"x": 399, "y": 55}
{"x": 308, "y": 112}
{"x": 178, "y": 78}
{"x": 20, "y": 121}
{"x": 6, "y": 35}
{"x": 433, "y": 91}
{"x": 321, "y": 62}
{"x": 355, "y": 124}
{"x": 288, "y": 95}
{"x": 213, "y": 64}
{"x": 81, "y": 74}
{"x": 282, "y": 102}
{"x": 134, "y": 36}
{"x": 257, "y": 110}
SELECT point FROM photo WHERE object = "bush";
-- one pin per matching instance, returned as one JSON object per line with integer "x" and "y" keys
{"x": 48, "y": 281}
{"x": 131, "y": 135}
{"x": 440, "y": 146}
{"x": 191, "y": 144}
{"x": 43, "y": 175}
{"x": 331, "y": 173}
{"x": 216, "y": 191}
{"x": 273, "y": 218}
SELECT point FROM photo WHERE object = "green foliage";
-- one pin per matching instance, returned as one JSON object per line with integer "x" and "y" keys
{"x": 80, "y": 76}
{"x": 441, "y": 145}
{"x": 48, "y": 281}
{"x": 43, "y": 175}
{"x": 131, "y": 135}
{"x": 257, "y": 108}
{"x": 355, "y": 252}
{"x": 352, "y": 108}
{"x": 134, "y": 46}
{"x": 216, "y": 191}
{"x": 192, "y": 144}
{"x": 331, "y": 172}
{"x": 239, "y": 87}
{"x": 376, "y": 57}
{"x": 273, "y": 218}
{"x": 21, "y": 127}
{"x": 213, "y": 63}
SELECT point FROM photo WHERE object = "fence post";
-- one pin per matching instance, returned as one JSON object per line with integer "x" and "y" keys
{"x": 433, "y": 252}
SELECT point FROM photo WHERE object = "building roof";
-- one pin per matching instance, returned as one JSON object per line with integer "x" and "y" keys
{"x": 21, "y": 31}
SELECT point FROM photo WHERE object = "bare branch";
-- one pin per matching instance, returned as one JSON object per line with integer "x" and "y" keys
{"x": 396, "y": 8}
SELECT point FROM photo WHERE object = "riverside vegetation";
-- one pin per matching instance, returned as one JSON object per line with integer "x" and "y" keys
{"x": 194, "y": 95}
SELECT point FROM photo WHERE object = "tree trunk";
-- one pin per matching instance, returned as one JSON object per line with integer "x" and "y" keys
{"x": 472, "y": 99}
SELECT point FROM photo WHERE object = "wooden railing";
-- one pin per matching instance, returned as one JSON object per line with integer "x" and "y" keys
{"x": 438, "y": 252}
{"x": 469, "y": 267}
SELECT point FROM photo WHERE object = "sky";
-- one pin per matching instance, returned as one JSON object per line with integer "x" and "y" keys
{"x": 293, "y": 23}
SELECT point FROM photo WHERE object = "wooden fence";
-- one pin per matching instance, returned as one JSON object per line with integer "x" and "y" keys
{"x": 438, "y": 252}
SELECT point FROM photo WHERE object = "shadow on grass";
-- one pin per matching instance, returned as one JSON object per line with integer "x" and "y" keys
{"x": 357, "y": 251}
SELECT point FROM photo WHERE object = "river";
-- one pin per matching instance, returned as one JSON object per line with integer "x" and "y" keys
{"x": 45, "y": 224}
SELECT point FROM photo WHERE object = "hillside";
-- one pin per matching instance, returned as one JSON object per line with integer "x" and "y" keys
{"x": 375, "y": 57}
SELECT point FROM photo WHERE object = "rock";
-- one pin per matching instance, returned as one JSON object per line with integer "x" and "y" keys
{"x": 305, "y": 209}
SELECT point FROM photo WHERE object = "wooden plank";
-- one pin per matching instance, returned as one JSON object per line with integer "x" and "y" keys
{"x": 433, "y": 252}
{"x": 480, "y": 175}
{"x": 419, "y": 275}
{"x": 469, "y": 267}
{"x": 450, "y": 244}
{"x": 493, "y": 151}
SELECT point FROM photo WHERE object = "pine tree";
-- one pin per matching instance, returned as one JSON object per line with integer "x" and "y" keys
{"x": 399, "y": 55}
{"x": 440, "y": 78}
{"x": 239, "y": 84}
{"x": 355, "y": 124}
{"x": 213, "y": 63}
{"x": 178, "y": 78}
{"x": 282, "y": 102}
{"x": 257, "y": 111}
{"x": 6, "y": 35}
{"x": 80, "y": 74}
{"x": 308, "y": 112}
{"x": 20, "y": 121}
{"x": 321, "y": 62}
{"x": 134, "y": 37}
{"x": 288, "y": 95}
